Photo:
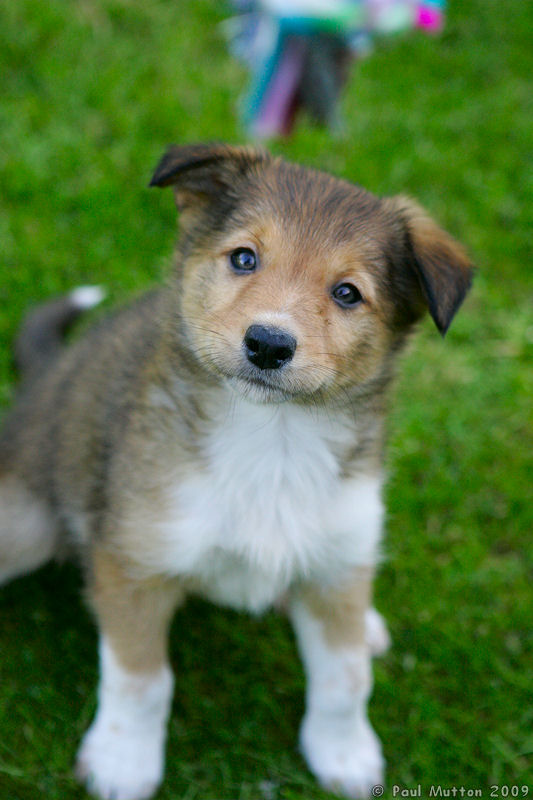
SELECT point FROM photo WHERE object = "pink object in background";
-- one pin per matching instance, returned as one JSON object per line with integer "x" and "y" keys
{"x": 430, "y": 18}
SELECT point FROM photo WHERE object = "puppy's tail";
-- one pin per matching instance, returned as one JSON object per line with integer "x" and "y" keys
{"x": 41, "y": 335}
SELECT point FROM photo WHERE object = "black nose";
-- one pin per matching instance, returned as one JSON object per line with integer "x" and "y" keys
{"x": 268, "y": 348}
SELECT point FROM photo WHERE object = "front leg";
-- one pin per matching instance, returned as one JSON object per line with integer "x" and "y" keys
{"x": 122, "y": 754}
{"x": 336, "y": 737}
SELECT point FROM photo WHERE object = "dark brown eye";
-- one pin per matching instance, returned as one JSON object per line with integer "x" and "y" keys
{"x": 346, "y": 295}
{"x": 243, "y": 260}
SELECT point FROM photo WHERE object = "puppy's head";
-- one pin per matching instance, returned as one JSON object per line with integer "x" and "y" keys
{"x": 294, "y": 284}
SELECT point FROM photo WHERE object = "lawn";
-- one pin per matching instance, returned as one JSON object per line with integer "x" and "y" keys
{"x": 92, "y": 91}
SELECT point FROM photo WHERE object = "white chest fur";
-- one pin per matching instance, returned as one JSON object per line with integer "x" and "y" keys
{"x": 269, "y": 507}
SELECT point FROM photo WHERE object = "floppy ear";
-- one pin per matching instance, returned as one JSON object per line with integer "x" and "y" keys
{"x": 441, "y": 266}
{"x": 199, "y": 172}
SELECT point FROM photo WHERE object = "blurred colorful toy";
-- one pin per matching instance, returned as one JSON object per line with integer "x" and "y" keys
{"x": 300, "y": 52}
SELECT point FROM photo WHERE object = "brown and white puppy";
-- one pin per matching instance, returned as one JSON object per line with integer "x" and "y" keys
{"x": 223, "y": 436}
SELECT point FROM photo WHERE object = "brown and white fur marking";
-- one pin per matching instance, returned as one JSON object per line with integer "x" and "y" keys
{"x": 222, "y": 436}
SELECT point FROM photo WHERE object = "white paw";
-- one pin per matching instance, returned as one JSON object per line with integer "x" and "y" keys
{"x": 377, "y": 635}
{"x": 116, "y": 764}
{"x": 348, "y": 765}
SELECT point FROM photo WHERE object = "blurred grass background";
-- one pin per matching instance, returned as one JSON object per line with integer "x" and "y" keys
{"x": 91, "y": 93}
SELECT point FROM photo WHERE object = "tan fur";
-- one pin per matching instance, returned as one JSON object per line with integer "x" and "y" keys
{"x": 133, "y": 615}
{"x": 291, "y": 289}
{"x": 342, "y": 610}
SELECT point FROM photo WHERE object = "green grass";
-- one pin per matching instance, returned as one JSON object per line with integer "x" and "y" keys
{"x": 92, "y": 91}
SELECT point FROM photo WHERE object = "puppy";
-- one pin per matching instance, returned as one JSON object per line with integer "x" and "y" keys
{"x": 223, "y": 436}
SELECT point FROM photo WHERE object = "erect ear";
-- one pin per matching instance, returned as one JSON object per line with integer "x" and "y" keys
{"x": 441, "y": 266}
{"x": 199, "y": 172}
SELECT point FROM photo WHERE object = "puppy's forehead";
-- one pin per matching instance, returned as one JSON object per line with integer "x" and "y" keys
{"x": 310, "y": 207}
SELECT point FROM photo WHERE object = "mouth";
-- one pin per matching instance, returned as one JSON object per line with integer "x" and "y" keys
{"x": 259, "y": 381}
{"x": 261, "y": 388}
{"x": 265, "y": 385}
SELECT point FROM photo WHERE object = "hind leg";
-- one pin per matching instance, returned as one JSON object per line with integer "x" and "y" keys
{"x": 28, "y": 533}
